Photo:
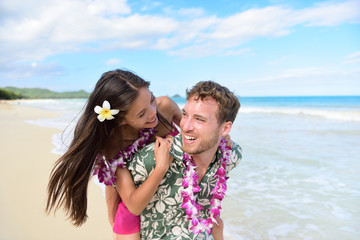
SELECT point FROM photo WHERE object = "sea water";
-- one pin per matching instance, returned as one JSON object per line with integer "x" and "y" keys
{"x": 300, "y": 173}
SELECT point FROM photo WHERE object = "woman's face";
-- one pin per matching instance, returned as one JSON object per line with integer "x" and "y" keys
{"x": 142, "y": 112}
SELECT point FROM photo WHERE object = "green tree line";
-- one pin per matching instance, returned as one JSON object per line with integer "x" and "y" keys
{"x": 38, "y": 93}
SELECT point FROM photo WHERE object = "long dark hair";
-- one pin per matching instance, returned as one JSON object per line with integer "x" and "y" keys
{"x": 70, "y": 176}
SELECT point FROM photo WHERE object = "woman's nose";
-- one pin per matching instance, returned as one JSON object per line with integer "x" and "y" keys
{"x": 153, "y": 109}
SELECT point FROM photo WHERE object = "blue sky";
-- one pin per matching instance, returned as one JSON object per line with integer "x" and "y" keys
{"x": 256, "y": 48}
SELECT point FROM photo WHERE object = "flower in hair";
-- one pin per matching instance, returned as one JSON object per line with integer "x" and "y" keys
{"x": 105, "y": 112}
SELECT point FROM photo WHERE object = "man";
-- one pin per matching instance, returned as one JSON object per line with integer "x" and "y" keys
{"x": 207, "y": 117}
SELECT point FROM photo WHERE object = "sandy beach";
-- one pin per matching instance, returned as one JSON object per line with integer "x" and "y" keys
{"x": 26, "y": 161}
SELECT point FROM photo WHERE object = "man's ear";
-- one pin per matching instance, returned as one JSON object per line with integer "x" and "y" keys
{"x": 226, "y": 128}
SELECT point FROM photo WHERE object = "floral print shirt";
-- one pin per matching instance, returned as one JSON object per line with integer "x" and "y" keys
{"x": 164, "y": 218}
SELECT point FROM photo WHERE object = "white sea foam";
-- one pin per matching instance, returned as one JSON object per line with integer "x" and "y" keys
{"x": 341, "y": 115}
{"x": 60, "y": 146}
{"x": 282, "y": 230}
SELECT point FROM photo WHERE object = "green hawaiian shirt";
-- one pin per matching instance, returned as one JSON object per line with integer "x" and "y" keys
{"x": 164, "y": 218}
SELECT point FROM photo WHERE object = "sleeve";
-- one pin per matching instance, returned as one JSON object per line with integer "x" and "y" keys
{"x": 235, "y": 157}
{"x": 142, "y": 164}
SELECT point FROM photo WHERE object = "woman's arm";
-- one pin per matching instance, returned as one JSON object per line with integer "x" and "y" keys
{"x": 169, "y": 109}
{"x": 136, "y": 199}
{"x": 112, "y": 201}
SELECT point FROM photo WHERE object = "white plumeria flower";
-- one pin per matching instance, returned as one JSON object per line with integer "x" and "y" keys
{"x": 105, "y": 112}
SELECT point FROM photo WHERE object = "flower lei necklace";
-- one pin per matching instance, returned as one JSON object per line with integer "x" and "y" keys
{"x": 191, "y": 187}
{"x": 105, "y": 170}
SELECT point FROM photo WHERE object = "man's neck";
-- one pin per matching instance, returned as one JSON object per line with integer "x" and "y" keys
{"x": 202, "y": 161}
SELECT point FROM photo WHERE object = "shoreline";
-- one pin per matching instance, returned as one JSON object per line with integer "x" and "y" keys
{"x": 27, "y": 161}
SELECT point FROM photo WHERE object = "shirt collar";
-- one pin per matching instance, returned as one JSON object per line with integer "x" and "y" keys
{"x": 176, "y": 149}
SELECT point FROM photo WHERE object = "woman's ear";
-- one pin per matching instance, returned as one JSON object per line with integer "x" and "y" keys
{"x": 122, "y": 122}
{"x": 226, "y": 128}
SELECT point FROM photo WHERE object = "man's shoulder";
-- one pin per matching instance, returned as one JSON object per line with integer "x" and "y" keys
{"x": 145, "y": 151}
{"x": 144, "y": 156}
{"x": 235, "y": 156}
{"x": 237, "y": 148}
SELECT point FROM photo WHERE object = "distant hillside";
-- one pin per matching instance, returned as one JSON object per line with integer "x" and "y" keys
{"x": 36, "y": 93}
{"x": 9, "y": 95}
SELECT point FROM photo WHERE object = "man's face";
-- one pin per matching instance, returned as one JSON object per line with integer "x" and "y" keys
{"x": 199, "y": 126}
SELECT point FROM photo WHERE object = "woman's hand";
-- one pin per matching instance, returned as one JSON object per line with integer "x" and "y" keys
{"x": 218, "y": 229}
{"x": 161, "y": 151}
{"x": 228, "y": 140}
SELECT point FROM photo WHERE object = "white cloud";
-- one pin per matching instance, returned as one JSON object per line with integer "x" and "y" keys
{"x": 149, "y": 5}
{"x": 226, "y": 33}
{"x": 25, "y": 70}
{"x": 252, "y": 23}
{"x": 191, "y": 34}
{"x": 113, "y": 61}
{"x": 330, "y": 13}
{"x": 69, "y": 26}
{"x": 305, "y": 81}
{"x": 352, "y": 58}
{"x": 108, "y": 7}
{"x": 194, "y": 51}
{"x": 307, "y": 75}
{"x": 288, "y": 74}
{"x": 33, "y": 30}
{"x": 191, "y": 12}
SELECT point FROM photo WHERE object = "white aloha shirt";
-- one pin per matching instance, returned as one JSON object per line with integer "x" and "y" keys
{"x": 164, "y": 218}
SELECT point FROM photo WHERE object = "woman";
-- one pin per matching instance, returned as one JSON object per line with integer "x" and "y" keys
{"x": 128, "y": 109}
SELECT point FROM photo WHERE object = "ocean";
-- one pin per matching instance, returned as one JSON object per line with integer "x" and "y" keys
{"x": 300, "y": 173}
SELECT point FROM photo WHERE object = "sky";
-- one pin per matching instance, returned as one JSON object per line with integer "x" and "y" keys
{"x": 254, "y": 47}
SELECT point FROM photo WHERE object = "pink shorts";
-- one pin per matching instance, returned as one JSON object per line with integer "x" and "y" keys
{"x": 125, "y": 221}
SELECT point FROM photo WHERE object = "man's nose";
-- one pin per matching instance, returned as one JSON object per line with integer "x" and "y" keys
{"x": 187, "y": 124}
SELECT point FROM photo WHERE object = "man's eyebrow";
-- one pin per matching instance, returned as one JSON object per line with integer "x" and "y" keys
{"x": 199, "y": 116}
{"x": 195, "y": 115}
